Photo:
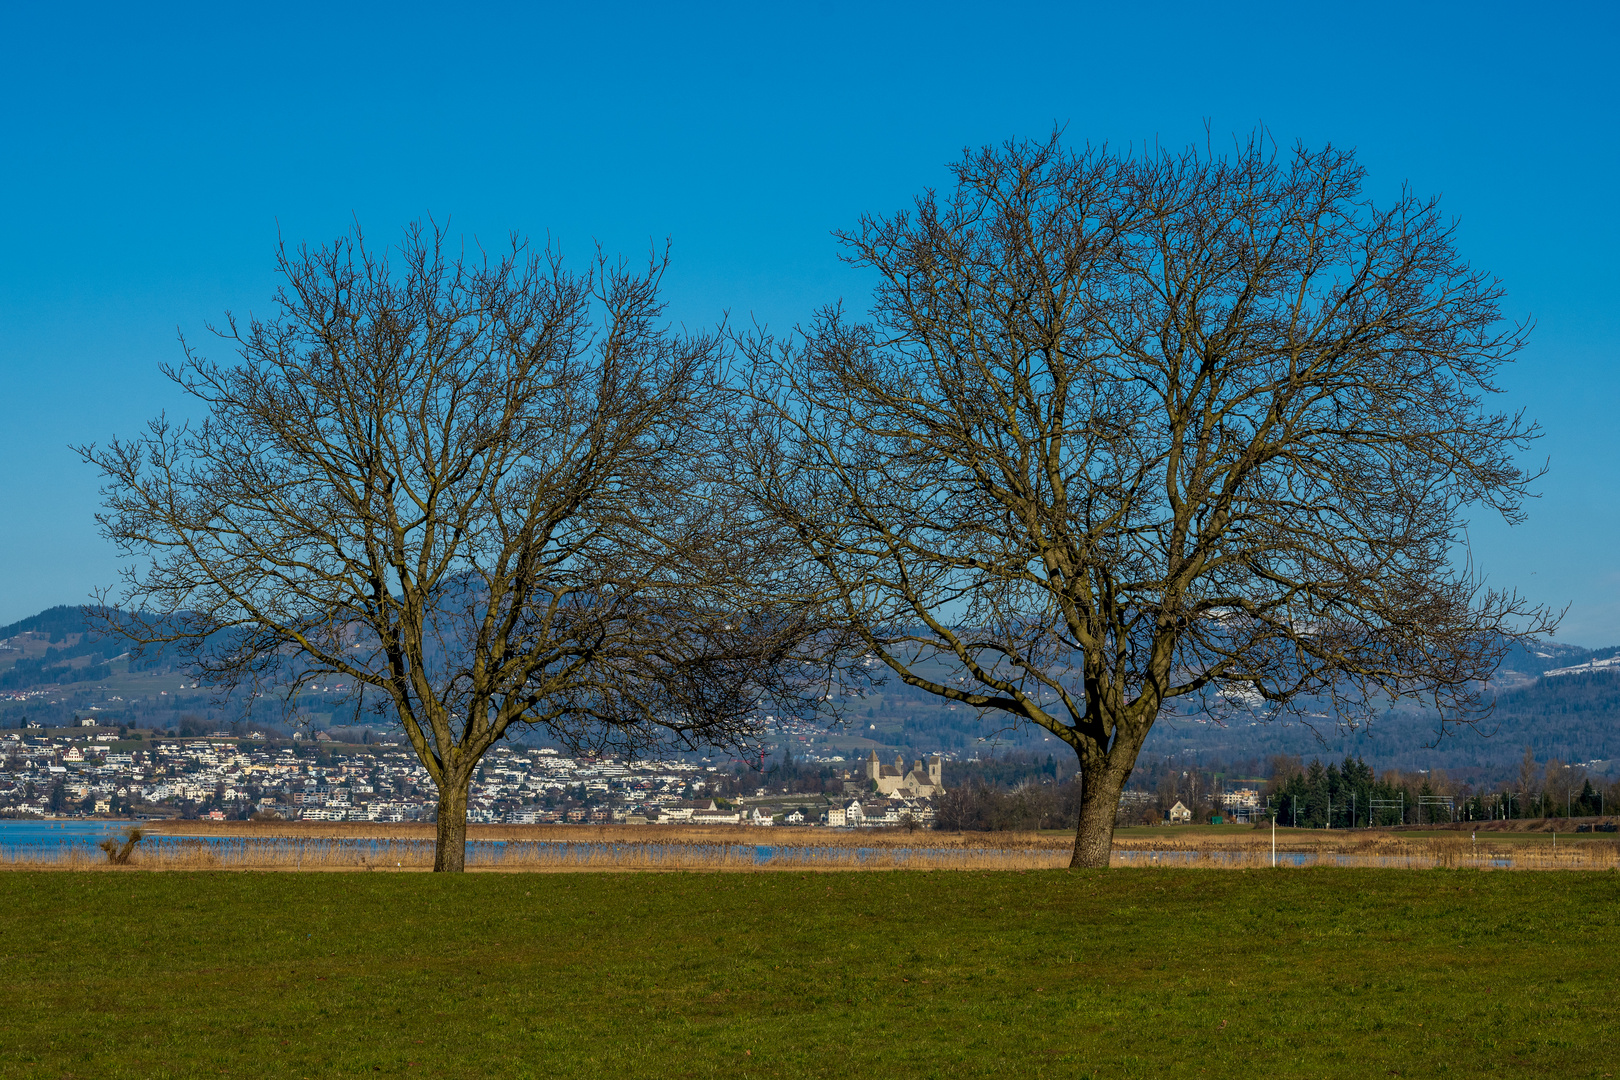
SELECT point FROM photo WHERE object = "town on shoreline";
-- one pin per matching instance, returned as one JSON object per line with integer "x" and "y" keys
{"x": 98, "y": 772}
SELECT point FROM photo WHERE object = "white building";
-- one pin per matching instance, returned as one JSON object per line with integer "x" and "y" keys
{"x": 849, "y": 816}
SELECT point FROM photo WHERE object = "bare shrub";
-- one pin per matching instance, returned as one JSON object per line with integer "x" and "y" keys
{"x": 118, "y": 855}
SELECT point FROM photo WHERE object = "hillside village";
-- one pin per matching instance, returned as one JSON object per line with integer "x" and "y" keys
{"x": 101, "y": 773}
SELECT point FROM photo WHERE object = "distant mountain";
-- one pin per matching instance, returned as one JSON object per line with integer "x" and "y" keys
{"x": 53, "y": 648}
{"x": 1595, "y": 663}
{"x": 1524, "y": 663}
{"x": 1561, "y": 700}
{"x": 56, "y": 622}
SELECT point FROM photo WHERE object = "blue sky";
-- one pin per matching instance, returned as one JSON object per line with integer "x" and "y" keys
{"x": 148, "y": 160}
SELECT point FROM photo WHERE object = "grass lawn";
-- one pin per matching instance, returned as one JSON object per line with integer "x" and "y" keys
{"x": 1120, "y": 973}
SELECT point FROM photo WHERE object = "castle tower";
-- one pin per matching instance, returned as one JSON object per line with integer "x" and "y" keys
{"x": 936, "y": 771}
{"x": 873, "y": 768}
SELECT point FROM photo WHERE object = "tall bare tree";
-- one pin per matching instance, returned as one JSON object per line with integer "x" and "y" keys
{"x": 466, "y": 487}
{"x": 1527, "y": 776}
{"x": 1129, "y": 433}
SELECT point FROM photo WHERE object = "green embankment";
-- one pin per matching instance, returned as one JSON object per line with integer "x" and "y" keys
{"x": 1317, "y": 973}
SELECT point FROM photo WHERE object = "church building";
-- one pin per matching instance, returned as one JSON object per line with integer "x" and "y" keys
{"x": 923, "y": 781}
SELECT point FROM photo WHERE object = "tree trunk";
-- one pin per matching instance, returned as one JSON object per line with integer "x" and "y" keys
{"x": 450, "y": 853}
{"x": 1099, "y": 803}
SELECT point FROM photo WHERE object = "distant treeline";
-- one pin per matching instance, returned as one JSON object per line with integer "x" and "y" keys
{"x": 1030, "y": 805}
{"x": 1021, "y": 791}
{"x": 50, "y": 669}
{"x": 1348, "y": 795}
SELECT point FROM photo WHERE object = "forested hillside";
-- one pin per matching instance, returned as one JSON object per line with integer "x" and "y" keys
{"x": 1574, "y": 717}
{"x": 54, "y": 647}
{"x": 56, "y": 669}
{"x": 51, "y": 666}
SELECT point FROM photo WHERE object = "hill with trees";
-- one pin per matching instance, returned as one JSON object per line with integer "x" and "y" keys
{"x": 52, "y": 664}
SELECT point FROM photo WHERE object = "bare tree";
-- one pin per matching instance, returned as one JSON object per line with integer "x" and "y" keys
{"x": 1128, "y": 434}
{"x": 1558, "y": 785}
{"x": 466, "y": 486}
{"x": 1527, "y": 776}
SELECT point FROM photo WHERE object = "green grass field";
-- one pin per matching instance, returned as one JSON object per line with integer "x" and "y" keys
{"x": 1302, "y": 973}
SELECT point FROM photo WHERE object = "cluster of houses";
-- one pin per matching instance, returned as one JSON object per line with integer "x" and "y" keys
{"x": 97, "y": 773}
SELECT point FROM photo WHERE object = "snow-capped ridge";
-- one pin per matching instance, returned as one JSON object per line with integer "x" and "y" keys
{"x": 1590, "y": 665}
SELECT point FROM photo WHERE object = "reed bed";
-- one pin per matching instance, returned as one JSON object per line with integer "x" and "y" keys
{"x": 1439, "y": 854}
{"x": 698, "y": 850}
{"x": 414, "y": 853}
{"x": 788, "y": 836}
{"x": 1373, "y": 848}
{"x": 1366, "y": 848}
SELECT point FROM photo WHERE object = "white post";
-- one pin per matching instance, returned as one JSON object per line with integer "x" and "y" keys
{"x": 1274, "y": 841}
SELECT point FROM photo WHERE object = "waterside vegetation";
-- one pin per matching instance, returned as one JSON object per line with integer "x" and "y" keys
{"x": 314, "y": 846}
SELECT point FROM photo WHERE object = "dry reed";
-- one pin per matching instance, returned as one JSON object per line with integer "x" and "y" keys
{"x": 791, "y": 836}
{"x": 1370, "y": 849}
{"x": 320, "y": 846}
{"x": 396, "y": 854}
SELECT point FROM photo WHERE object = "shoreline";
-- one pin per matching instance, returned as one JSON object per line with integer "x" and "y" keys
{"x": 370, "y": 846}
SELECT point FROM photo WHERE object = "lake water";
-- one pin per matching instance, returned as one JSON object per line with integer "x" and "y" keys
{"x": 87, "y": 834}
